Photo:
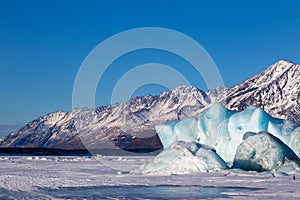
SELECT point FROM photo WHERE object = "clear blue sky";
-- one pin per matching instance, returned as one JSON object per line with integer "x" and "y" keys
{"x": 43, "y": 43}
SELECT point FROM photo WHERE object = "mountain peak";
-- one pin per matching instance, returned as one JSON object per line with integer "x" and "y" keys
{"x": 284, "y": 61}
{"x": 184, "y": 89}
{"x": 276, "y": 90}
{"x": 280, "y": 67}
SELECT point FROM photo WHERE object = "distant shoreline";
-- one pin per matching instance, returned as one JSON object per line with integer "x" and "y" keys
{"x": 18, "y": 151}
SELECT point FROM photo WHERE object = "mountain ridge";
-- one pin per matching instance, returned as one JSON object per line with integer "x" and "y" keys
{"x": 127, "y": 124}
{"x": 126, "y": 119}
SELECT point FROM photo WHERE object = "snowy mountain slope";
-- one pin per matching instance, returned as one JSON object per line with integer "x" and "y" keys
{"x": 129, "y": 125}
{"x": 276, "y": 90}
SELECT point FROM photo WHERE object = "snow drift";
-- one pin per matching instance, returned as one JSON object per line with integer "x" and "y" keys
{"x": 184, "y": 157}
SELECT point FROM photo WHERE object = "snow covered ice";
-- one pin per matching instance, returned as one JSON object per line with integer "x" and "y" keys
{"x": 224, "y": 129}
{"x": 184, "y": 157}
{"x": 88, "y": 178}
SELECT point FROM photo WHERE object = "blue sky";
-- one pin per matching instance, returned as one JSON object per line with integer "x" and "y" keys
{"x": 43, "y": 43}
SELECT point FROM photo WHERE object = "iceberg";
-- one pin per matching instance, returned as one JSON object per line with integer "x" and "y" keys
{"x": 183, "y": 158}
{"x": 264, "y": 152}
{"x": 223, "y": 129}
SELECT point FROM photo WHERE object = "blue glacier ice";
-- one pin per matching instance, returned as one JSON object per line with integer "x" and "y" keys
{"x": 224, "y": 129}
{"x": 264, "y": 152}
{"x": 294, "y": 142}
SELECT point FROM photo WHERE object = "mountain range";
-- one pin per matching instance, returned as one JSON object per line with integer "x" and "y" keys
{"x": 130, "y": 125}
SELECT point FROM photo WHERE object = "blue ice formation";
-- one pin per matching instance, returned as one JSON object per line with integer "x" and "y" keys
{"x": 264, "y": 152}
{"x": 224, "y": 129}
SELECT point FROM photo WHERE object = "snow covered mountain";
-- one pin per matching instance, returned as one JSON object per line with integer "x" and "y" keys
{"x": 130, "y": 125}
{"x": 276, "y": 90}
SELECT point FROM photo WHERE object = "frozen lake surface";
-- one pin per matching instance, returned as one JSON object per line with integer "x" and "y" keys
{"x": 107, "y": 178}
